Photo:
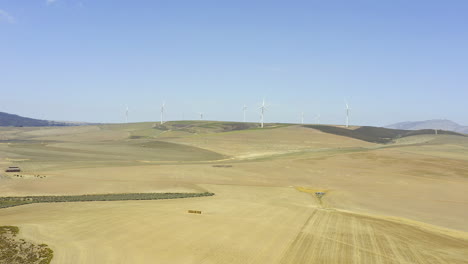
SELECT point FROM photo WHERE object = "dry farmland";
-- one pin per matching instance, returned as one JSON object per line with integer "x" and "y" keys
{"x": 401, "y": 202}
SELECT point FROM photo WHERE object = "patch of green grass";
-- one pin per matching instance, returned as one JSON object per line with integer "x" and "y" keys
{"x": 9, "y": 229}
{"x": 271, "y": 126}
{"x": 16, "y": 201}
{"x": 162, "y": 150}
{"x": 213, "y": 126}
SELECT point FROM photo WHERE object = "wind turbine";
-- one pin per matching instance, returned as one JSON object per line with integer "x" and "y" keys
{"x": 317, "y": 118}
{"x": 262, "y": 109}
{"x": 201, "y": 115}
{"x": 163, "y": 108}
{"x": 126, "y": 114}
{"x": 347, "y": 113}
{"x": 302, "y": 118}
{"x": 244, "y": 109}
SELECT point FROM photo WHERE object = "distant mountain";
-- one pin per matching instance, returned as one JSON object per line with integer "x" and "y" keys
{"x": 19, "y": 121}
{"x": 442, "y": 124}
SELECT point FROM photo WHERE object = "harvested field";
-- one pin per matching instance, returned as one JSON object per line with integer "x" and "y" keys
{"x": 338, "y": 237}
{"x": 240, "y": 225}
{"x": 287, "y": 194}
{"x": 263, "y": 143}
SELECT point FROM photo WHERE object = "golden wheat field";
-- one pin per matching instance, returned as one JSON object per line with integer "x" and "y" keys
{"x": 401, "y": 202}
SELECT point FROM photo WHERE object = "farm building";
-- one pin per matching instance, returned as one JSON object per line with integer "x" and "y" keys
{"x": 13, "y": 169}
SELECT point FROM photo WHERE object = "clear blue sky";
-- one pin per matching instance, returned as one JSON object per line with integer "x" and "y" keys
{"x": 84, "y": 60}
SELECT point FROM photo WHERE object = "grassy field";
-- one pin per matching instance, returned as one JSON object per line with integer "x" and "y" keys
{"x": 404, "y": 201}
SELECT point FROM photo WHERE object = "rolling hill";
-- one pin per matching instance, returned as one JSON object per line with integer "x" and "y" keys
{"x": 401, "y": 203}
{"x": 443, "y": 124}
{"x": 377, "y": 134}
{"x": 7, "y": 119}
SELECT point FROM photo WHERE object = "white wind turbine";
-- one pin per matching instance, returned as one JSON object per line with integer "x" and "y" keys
{"x": 317, "y": 119}
{"x": 347, "y": 113}
{"x": 163, "y": 109}
{"x": 126, "y": 114}
{"x": 201, "y": 115}
{"x": 244, "y": 109}
{"x": 302, "y": 118}
{"x": 262, "y": 108}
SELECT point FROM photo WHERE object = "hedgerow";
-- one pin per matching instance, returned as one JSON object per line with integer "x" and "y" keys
{"x": 16, "y": 201}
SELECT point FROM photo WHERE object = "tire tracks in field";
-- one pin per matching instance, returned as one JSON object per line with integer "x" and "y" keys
{"x": 298, "y": 240}
{"x": 327, "y": 244}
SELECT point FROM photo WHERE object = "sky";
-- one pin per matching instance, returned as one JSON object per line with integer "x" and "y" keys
{"x": 85, "y": 60}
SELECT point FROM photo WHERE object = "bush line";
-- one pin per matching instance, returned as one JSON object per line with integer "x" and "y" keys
{"x": 14, "y": 250}
{"x": 16, "y": 201}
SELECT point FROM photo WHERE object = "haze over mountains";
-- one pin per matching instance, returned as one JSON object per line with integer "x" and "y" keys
{"x": 442, "y": 124}
{"x": 7, "y": 119}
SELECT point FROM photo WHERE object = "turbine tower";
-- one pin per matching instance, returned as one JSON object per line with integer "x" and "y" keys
{"x": 347, "y": 113}
{"x": 317, "y": 118}
{"x": 244, "y": 109}
{"x": 126, "y": 114}
{"x": 302, "y": 118}
{"x": 201, "y": 115}
{"x": 163, "y": 108}
{"x": 262, "y": 109}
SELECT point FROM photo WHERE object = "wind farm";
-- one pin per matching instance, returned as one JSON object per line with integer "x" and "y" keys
{"x": 261, "y": 111}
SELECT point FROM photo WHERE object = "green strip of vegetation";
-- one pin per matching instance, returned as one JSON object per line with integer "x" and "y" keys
{"x": 16, "y": 201}
{"x": 19, "y": 251}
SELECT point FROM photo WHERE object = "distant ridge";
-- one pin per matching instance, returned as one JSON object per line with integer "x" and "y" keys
{"x": 7, "y": 119}
{"x": 442, "y": 124}
{"x": 378, "y": 134}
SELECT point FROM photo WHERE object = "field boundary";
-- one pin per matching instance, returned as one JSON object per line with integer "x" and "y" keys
{"x": 12, "y": 201}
